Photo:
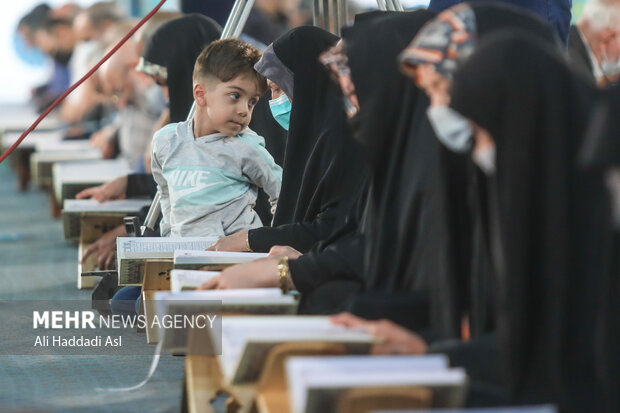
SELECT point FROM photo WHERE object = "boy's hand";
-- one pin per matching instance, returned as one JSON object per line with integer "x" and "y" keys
{"x": 235, "y": 243}
{"x": 106, "y": 192}
{"x": 395, "y": 339}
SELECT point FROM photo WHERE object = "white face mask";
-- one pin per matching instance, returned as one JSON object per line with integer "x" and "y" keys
{"x": 485, "y": 159}
{"x": 153, "y": 100}
{"x": 452, "y": 129}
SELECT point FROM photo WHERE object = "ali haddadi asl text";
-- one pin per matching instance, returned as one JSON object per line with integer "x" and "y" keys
{"x": 75, "y": 341}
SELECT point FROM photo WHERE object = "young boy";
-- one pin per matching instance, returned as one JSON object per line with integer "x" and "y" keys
{"x": 208, "y": 168}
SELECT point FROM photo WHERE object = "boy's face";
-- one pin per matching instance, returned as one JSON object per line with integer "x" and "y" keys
{"x": 229, "y": 105}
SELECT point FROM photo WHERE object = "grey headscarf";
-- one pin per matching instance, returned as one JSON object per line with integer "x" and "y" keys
{"x": 273, "y": 69}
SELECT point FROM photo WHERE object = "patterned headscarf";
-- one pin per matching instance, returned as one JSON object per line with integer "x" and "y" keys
{"x": 444, "y": 42}
{"x": 336, "y": 60}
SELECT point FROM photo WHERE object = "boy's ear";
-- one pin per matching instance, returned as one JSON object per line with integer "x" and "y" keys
{"x": 200, "y": 95}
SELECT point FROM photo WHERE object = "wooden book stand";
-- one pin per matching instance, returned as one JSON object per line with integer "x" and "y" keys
{"x": 156, "y": 278}
{"x": 368, "y": 399}
{"x": 272, "y": 388}
{"x": 92, "y": 227}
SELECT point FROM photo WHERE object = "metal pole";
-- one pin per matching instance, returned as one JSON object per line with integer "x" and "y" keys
{"x": 243, "y": 18}
{"x": 232, "y": 19}
{"x": 325, "y": 14}
{"x": 381, "y": 5}
{"x": 233, "y": 28}
{"x": 153, "y": 215}
{"x": 343, "y": 14}
{"x": 332, "y": 17}
{"x": 396, "y": 5}
{"x": 316, "y": 18}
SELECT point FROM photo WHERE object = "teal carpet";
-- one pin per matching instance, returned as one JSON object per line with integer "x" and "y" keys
{"x": 36, "y": 264}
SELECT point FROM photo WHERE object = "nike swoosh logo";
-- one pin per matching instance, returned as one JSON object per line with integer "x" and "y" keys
{"x": 184, "y": 192}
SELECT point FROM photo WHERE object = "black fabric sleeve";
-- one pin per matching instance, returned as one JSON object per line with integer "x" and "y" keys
{"x": 479, "y": 356}
{"x": 140, "y": 184}
{"x": 300, "y": 235}
{"x": 342, "y": 260}
{"x": 408, "y": 309}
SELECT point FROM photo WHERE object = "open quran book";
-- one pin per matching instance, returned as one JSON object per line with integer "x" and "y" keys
{"x": 74, "y": 209}
{"x": 189, "y": 280}
{"x": 212, "y": 260}
{"x": 132, "y": 253}
{"x": 69, "y": 178}
{"x": 241, "y": 301}
{"x": 316, "y": 384}
{"x": 246, "y": 341}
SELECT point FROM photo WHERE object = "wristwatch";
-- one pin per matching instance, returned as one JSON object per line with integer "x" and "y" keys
{"x": 247, "y": 242}
{"x": 284, "y": 274}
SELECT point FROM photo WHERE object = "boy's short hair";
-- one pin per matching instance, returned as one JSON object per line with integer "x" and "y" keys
{"x": 228, "y": 58}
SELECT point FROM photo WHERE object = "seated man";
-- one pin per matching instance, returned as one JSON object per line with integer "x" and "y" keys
{"x": 593, "y": 44}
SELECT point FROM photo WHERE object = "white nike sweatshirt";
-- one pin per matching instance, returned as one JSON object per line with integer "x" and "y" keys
{"x": 208, "y": 184}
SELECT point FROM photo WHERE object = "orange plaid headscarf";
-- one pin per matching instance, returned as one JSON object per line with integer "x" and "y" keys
{"x": 443, "y": 42}
{"x": 336, "y": 60}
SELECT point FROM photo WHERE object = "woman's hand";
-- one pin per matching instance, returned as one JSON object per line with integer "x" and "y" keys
{"x": 235, "y": 242}
{"x": 280, "y": 251}
{"x": 394, "y": 338}
{"x": 261, "y": 273}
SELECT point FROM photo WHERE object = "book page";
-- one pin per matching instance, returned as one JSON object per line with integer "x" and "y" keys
{"x": 33, "y": 140}
{"x": 93, "y": 171}
{"x": 240, "y": 299}
{"x": 323, "y": 390}
{"x": 298, "y": 368}
{"x": 182, "y": 280}
{"x": 215, "y": 257}
{"x": 54, "y": 145}
{"x": 177, "y": 339}
{"x": 247, "y": 340}
{"x": 66, "y": 156}
{"x": 159, "y": 247}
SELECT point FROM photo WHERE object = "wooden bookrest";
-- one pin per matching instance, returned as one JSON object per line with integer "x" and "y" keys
{"x": 20, "y": 161}
{"x": 72, "y": 222}
{"x": 272, "y": 388}
{"x": 368, "y": 399}
{"x": 40, "y": 171}
{"x": 92, "y": 228}
{"x": 55, "y": 206}
{"x": 156, "y": 278}
{"x": 205, "y": 382}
